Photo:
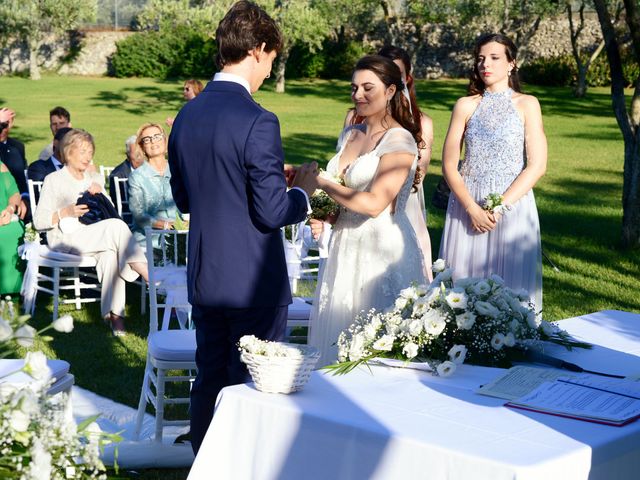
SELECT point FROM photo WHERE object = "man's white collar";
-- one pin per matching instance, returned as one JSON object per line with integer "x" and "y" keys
{"x": 231, "y": 77}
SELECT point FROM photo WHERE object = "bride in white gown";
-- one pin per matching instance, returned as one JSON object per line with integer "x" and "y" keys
{"x": 373, "y": 252}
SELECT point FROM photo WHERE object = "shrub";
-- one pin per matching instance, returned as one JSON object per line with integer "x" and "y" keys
{"x": 335, "y": 60}
{"x": 555, "y": 71}
{"x": 169, "y": 54}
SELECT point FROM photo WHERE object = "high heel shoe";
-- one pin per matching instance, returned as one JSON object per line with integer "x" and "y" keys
{"x": 116, "y": 323}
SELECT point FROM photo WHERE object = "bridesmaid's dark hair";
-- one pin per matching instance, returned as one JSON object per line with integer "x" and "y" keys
{"x": 389, "y": 74}
{"x": 476, "y": 85}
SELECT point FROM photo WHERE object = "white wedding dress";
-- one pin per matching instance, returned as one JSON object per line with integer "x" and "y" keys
{"x": 370, "y": 259}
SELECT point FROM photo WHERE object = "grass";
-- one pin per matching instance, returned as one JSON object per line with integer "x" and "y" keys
{"x": 579, "y": 199}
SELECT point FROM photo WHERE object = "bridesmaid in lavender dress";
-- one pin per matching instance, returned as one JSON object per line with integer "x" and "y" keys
{"x": 505, "y": 153}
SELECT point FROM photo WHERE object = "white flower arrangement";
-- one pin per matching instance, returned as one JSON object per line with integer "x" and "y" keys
{"x": 255, "y": 346}
{"x": 322, "y": 205}
{"x": 446, "y": 324}
{"x": 494, "y": 203}
{"x": 38, "y": 437}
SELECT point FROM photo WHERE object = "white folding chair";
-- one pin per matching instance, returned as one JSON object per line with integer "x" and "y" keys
{"x": 297, "y": 317}
{"x": 105, "y": 172}
{"x": 300, "y": 265}
{"x": 122, "y": 199}
{"x": 65, "y": 269}
{"x": 168, "y": 349}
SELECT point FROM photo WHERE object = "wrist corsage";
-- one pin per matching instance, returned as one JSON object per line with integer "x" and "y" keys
{"x": 494, "y": 202}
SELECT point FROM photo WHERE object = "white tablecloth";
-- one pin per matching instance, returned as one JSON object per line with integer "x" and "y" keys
{"x": 394, "y": 423}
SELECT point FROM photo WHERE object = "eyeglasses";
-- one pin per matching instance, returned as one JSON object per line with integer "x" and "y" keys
{"x": 152, "y": 138}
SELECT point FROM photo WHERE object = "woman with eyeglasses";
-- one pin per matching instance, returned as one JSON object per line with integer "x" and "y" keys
{"x": 150, "y": 199}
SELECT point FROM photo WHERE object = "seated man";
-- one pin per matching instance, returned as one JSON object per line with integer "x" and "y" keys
{"x": 41, "y": 168}
{"x": 12, "y": 155}
{"x": 59, "y": 117}
{"x": 134, "y": 160}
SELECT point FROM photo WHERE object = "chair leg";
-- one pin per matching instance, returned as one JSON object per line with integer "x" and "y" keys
{"x": 56, "y": 290}
{"x": 160, "y": 404}
{"x": 76, "y": 288}
{"x": 143, "y": 297}
{"x": 142, "y": 404}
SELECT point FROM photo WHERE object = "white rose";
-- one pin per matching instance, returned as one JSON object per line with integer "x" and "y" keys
{"x": 486, "y": 309}
{"x": 5, "y": 330}
{"x": 497, "y": 341}
{"x": 64, "y": 324}
{"x": 438, "y": 266}
{"x": 384, "y": 343}
{"x": 548, "y": 328}
{"x": 415, "y": 327}
{"x": 465, "y": 282}
{"x": 431, "y": 295}
{"x": 19, "y": 421}
{"x": 466, "y": 320}
{"x": 533, "y": 320}
{"x": 509, "y": 339}
{"x": 410, "y": 350}
{"x": 497, "y": 280}
{"x": 456, "y": 298}
{"x": 481, "y": 288}
{"x": 421, "y": 289}
{"x": 457, "y": 354}
{"x": 446, "y": 369}
{"x": 401, "y": 302}
{"x": 26, "y": 401}
{"x": 434, "y": 324}
{"x": 409, "y": 293}
{"x": 515, "y": 325}
{"x": 35, "y": 364}
{"x": 419, "y": 307}
{"x": 25, "y": 335}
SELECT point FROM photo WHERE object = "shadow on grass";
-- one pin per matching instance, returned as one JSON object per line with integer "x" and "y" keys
{"x": 26, "y": 136}
{"x": 140, "y": 100}
{"x": 308, "y": 147}
{"x": 336, "y": 89}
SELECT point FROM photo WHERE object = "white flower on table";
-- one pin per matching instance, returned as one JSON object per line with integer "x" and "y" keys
{"x": 40, "y": 466}
{"x": 523, "y": 295}
{"x": 481, "y": 288}
{"x": 401, "y": 302}
{"x": 19, "y": 421}
{"x": 497, "y": 280}
{"x": 64, "y": 324}
{"x": 466, "y": 320}
{"x": 443, "y": 276}
{"x": 25, "y": 336}
{"x": 384, "y": 343}
{"x": 457, "y": 354}
{"x": 356, "y": 348}
{"x": 410, "y": 293}
{"x": 35, "y": 365}
{"x": 410, "y": 349}
{"x": 438, "y": 266}
{"x": 486, "y": 309}
{"x": 434, "y": 324}
{"x": 5, "y": 330}
{"x": 532, "y": 319}
{"x": 549, "y": 328}
{"x": 497, "y": 341}
{"x": 510, "y": 339}
{"x": 456, "y": 298}
{"x": 446, "y": 368}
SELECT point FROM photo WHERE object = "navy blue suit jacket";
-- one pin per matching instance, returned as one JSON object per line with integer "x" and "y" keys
{"x": 12, "y": 155}
{"x": 40, "y": 169}
{"x": 226, "y": 162}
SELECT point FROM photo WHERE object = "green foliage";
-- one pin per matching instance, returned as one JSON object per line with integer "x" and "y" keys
{"x": 165, "y": 15}
{"x": 180, "y": 52}
{"x": 334, "y": 60}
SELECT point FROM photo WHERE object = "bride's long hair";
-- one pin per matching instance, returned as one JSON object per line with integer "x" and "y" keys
{"x": 389, "y": 74}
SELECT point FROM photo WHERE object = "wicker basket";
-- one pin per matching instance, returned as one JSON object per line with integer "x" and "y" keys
{"x": 281, "y": 374}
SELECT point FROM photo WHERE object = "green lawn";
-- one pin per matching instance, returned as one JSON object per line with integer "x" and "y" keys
{"x": 579, "y": 199}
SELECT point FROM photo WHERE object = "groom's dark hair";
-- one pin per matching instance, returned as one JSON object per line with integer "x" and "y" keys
{"x": 245, "y": 26}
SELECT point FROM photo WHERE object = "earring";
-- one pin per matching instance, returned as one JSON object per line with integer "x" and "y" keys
{"x": 508, "y": 73}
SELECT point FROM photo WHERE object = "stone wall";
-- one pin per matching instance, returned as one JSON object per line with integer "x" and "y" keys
{"x": 437, "y": 50}
{"x": 75, "y": 53}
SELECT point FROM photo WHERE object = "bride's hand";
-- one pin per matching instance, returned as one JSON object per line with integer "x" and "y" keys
{"x": 317, "y": 227}
{"x": 481, "y": 220}
{"x": 289, "y": 173}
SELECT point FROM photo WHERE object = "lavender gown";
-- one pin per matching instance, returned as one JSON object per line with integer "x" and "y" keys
{"x": 494, "y": 157}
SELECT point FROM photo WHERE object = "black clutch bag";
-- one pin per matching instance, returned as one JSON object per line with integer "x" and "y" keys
{"x": 100, "y": 208}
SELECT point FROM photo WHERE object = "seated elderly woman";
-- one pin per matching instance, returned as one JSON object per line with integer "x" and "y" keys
{"x": 110, "y": 241}
{"x": 150, "y": 198}
{"x": 11, "y": 233}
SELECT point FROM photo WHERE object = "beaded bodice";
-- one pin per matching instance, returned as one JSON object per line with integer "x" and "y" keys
{"x": 494, "y": 142}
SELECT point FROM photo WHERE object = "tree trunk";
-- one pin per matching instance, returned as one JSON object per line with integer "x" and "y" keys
{"x": 281, "y": 68}
{"x": 34, "y": 69}
{"x": 581, "y": 88}
{"x": 629, "y": 123}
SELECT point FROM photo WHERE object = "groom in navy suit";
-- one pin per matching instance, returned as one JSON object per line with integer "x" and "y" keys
{"x": 227, "y": 171}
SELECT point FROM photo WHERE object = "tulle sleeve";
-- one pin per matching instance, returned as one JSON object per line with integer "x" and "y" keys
{"x": 397, "y": 140}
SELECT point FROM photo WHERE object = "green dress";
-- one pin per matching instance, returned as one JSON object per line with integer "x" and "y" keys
{"x": 10, "y": 237}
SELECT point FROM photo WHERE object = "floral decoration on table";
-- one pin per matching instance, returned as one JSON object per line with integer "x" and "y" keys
{"x": 447, "y": 323}
{"x": 253, "y": 345}
{"x": 322, "y": 205}
{"x": 494, "y": 203}
{"x": 38, "y": 437}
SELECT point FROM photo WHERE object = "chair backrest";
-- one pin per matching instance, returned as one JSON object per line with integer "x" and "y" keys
{"x": 105, "y": 172}
{"x": 167, "y": 265}
{"x": 34, "y": 194}
{"x": 122, "y": 199}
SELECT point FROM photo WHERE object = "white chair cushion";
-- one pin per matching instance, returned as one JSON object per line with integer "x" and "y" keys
{"x": 58, "y": 368}
{"x": 173, "y": 345}
{"x": 299, "y": 310}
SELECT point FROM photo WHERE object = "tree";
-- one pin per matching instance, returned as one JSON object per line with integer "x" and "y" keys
{"x": 301, "y": 23}
{"x": 31, "y": 20}
{"x": 202, "y": 16}
{"x": 628, "y": 118}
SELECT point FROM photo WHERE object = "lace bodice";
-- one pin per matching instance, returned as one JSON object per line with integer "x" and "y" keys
{"x": 360, "y": 174}
{"x": 494, "y": 142}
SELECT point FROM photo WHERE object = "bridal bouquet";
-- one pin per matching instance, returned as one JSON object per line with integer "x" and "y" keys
{"x": 322, "y": 205}
{"x": 38, "y": 437}
{"x": 480, "y": 321}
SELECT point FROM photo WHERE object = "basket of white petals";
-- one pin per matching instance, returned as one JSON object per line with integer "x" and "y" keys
{"x": 277, "y": 367}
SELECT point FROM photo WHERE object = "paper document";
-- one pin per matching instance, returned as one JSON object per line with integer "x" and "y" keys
{"x": 578, "y": 402}
{"x": 519, "y": 381}
{"x": 620, "y": 386}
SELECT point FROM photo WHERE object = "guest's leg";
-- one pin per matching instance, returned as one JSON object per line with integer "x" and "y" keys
{"x": 212, "y": 340}
{"x": 112, "y": 295}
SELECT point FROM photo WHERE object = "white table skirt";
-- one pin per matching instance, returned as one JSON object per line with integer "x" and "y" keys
{"x": 403, "y": 424}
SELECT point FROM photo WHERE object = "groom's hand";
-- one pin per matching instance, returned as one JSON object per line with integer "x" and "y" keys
{"x": 307, "y": 178}
{"x": 289, "y": 174}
